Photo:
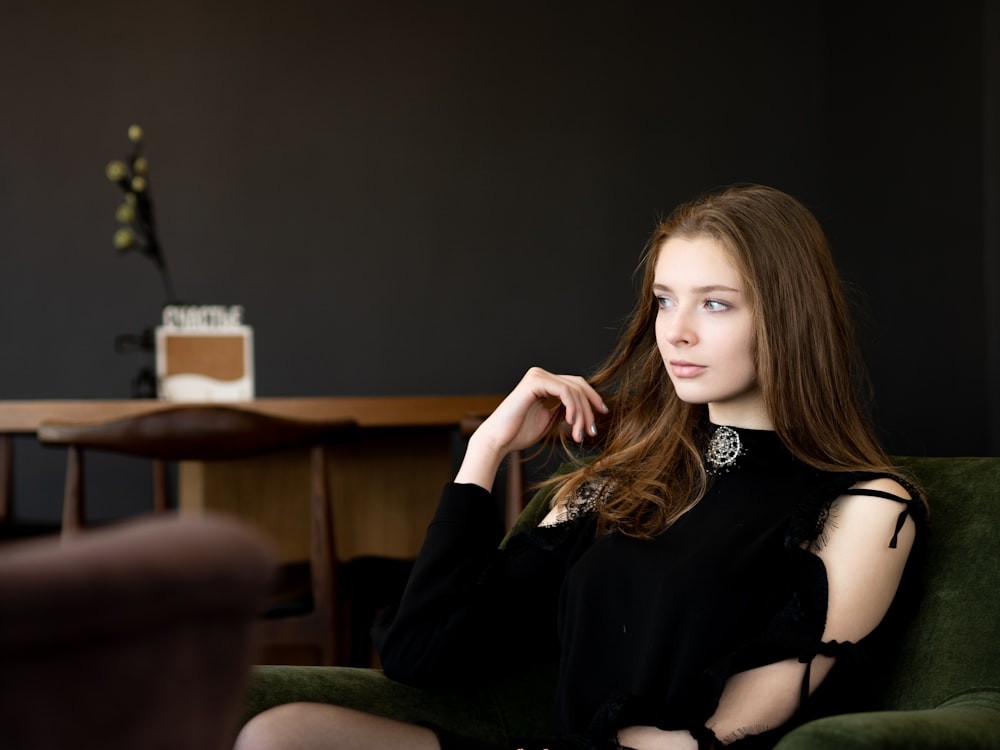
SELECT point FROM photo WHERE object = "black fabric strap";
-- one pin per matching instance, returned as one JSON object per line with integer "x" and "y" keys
{"x": 836, "y": 649}
{"x": 706, "y": 738}
{"x": 888, "y": 496}
{"x": 876, "y": 493}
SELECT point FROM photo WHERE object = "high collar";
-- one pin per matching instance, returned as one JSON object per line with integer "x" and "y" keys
{"x": 741, "y": 448}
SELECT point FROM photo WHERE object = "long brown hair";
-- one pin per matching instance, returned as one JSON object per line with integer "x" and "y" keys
{"x": 808, "y": 368}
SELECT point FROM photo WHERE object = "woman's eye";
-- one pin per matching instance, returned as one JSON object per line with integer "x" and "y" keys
{"x": 714, "y": 305}
{"x": 664, "y": 303}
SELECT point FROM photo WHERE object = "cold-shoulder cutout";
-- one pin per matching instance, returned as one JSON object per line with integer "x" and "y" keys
{"x": 888, "y": 488}
{"x": 863, "y": 572}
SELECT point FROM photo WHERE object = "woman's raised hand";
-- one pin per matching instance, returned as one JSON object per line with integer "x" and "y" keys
{"x": 523, "y": 418}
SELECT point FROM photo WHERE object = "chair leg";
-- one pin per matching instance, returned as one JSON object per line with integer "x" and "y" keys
{"x": 73, "y": 516}
{"x": 515, "y": 489}
{"x": 320, "y": 628}
{"x": 323, "y": 556}
{"x": 160, "y": 500}
{"x": 5, "y": 477}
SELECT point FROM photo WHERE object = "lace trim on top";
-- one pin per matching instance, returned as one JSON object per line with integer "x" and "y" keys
{"x": 584, "y": 501}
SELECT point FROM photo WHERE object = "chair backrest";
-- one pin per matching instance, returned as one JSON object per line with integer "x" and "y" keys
{"x": 195, "y": 433}
{"x": 133, "y": 636}
{"x": 951, "y": 644}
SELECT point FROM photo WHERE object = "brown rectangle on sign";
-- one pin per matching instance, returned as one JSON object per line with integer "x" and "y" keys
{"x": 219, "y": 357}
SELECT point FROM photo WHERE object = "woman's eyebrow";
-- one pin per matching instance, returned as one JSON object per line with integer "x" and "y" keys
{"x": 701, "y": 289}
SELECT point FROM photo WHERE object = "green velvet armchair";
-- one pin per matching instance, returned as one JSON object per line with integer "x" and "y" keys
{"x": 942, "y": 689}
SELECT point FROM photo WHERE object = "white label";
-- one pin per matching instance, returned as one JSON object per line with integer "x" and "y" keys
{"x": 202, "y": 317}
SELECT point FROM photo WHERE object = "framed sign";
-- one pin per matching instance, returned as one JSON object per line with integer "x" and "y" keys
{"x": 204, "y": 353}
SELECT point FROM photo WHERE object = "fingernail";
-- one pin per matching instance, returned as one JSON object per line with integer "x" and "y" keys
{"x": 604, "y": 407}
{"x": 593, "y": 429}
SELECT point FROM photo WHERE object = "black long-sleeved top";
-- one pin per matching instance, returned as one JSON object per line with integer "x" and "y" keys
{"x": 646, "y": 632}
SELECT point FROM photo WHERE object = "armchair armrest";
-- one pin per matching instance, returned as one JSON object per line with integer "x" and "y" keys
{"x": 969, "y": 720}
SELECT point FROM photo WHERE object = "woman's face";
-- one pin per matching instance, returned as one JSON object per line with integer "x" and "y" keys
{"x": 704, "y": 330}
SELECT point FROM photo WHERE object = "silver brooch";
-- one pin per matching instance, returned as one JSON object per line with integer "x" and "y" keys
{"x": 723, "y": 449}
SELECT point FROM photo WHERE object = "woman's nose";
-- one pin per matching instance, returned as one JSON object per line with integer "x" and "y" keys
{"x": 680, "y": 329}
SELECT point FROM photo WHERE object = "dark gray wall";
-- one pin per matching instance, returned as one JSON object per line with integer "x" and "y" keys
{"x": 907, "y": 93}
{"x": 416, "y": 198}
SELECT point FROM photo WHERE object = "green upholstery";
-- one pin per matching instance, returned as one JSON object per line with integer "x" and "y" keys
{"x": 942, "y": 691}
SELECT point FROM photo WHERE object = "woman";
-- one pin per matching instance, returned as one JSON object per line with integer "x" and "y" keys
{"x": 710, "y": 576}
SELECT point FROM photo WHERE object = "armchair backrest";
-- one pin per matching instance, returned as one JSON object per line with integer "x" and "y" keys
{"x": 952, "y": 643}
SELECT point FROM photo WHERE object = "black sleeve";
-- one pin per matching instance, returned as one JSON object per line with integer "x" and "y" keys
{"x": 457, "y": 621}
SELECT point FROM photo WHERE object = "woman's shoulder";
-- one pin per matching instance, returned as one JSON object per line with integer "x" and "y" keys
{"x": 878, "y": 509}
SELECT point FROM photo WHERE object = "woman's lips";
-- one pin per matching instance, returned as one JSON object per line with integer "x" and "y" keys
{"x": 682, "y": 369}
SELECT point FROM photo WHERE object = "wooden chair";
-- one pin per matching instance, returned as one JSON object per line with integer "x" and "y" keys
{"x": 220, "y": 433}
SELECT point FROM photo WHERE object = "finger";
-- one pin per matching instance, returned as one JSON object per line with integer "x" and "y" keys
{"x": 593, "y": 397}
{"x": 590, "y": 403}
{"x": 571, "y": 401}
{"x": 575, "y": 418}
{"x": 579, "y": 411}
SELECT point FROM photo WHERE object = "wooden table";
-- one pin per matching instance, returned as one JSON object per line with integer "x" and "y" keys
{"x": 384, "y": 485}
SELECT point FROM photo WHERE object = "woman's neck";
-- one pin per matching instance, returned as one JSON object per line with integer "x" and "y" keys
{"x": 754, "y": 418}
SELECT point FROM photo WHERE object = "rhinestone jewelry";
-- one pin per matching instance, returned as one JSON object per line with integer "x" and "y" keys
{"x": 723, "y": 449}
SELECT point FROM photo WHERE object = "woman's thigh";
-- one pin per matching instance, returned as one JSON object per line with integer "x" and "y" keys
{"x": 317, "y": 726}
